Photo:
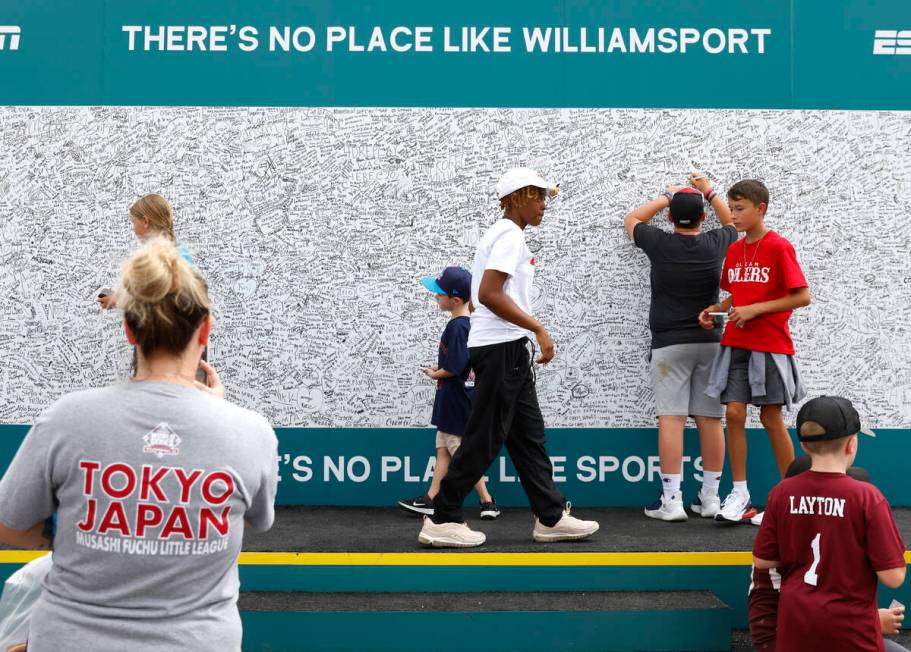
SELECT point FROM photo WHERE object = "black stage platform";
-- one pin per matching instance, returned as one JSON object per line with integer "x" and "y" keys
{"x": 359, "y": 529}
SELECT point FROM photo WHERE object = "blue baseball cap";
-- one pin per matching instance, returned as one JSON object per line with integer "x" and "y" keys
{"x": 453, "y": 282}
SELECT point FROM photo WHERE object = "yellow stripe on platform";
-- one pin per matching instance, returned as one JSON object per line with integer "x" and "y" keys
{"x": 20, "y": 556}
{"x": 497, "y": 558}
{"x": 466, "y": 559}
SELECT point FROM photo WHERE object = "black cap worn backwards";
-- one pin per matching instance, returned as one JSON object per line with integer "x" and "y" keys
{"x": 834, "y": 414}
{"x": 687, "y": 207}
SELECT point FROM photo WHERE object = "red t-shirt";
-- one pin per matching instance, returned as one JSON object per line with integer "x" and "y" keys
{"x": 832, "y": 533}
{"x": 762, "y": 271}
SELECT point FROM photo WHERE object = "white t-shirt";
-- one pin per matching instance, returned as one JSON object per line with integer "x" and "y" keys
{"x": 501, "y": 248}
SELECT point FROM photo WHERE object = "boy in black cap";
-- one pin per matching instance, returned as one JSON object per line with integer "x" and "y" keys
{"x": 455, "y": 387}
{"x": 834, "y": 535}
{"x": 765, "y": 585}
{"x": 685, "y": 272}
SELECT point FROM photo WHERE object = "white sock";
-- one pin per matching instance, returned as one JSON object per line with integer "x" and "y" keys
{"x": 741, "y": 488}
{"x": 710, "y": 482}
{"x": 670, "y": 485}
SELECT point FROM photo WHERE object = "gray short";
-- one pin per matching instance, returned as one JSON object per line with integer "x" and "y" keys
{"x": 680, "y": 374}
{"x": 738, "y": 387}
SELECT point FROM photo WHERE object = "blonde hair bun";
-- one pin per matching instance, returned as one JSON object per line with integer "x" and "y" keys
{"x": 164, "y": 299}
{"x": 152, "y": 272}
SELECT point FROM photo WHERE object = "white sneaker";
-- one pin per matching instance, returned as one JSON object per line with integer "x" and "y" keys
{"x": 736, "y": 508}
{"x": 757, "y": 520}
{"x": 449, "y": 535}
{"x": 568, "y": 528}
{"x": 706, "y": 507}
{"x": 665, "y": 509}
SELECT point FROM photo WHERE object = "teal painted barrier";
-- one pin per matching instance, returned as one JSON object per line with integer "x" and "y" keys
{"x": 690, "y": 629}
{"x": 729, "y": 583}
{"x": 811, "y": 54}
{"x": 593, "y": 467}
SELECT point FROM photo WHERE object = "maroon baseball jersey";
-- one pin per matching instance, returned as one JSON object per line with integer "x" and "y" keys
{"x": 832, "y": 533}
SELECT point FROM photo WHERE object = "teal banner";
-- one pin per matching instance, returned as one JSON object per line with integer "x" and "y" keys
{"x": 777, "y": 54}
{"x": 594, "y": 467}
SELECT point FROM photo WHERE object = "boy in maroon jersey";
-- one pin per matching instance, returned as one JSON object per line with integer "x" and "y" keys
{"x": 765, "y": 585}
{"x": 833, "y": 536}
{"x": 755, "y": 364}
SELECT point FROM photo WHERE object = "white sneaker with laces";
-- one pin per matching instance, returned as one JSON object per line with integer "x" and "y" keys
{"x": 568, "y": 528}
{"x": 449, "y": 535}
{"x": 667, "y": 509}
{"x": 706, "y": 507}
{"x": 736, "y": 508}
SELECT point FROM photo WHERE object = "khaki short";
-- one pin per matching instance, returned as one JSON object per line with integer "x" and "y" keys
{"x": 449, "y": 442}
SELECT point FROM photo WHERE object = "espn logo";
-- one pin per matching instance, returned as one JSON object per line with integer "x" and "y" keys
{"x": 890, "y": 41}
{"x": 11, "y": 31}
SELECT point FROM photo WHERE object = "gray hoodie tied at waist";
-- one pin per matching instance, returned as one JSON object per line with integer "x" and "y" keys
{"x": 794, "y": 391}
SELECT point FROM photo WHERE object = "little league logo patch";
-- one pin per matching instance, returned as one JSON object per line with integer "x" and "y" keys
{"x": 161, "y": 440}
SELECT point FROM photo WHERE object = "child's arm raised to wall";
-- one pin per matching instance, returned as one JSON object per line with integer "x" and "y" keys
{"x": 642, "y": 214}
{"x": 701, "y": 183}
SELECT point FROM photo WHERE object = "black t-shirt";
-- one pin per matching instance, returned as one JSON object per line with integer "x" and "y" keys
{"x": 686, "y": 270}
{"x": 452, "y": 403}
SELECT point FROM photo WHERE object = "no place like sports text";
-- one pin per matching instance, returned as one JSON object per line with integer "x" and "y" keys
{"x": 393, "y": 468}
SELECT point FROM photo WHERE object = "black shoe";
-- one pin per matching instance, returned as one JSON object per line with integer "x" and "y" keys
{"x": 489, "y": 511}
{"x": 423, "y": 504}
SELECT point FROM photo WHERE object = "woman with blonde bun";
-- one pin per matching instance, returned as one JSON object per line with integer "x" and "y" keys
{"x": 152, "y": 481}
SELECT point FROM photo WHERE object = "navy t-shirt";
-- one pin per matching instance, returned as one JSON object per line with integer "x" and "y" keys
{"x": 452, "y": 403}
{"x": 686, "y": 271}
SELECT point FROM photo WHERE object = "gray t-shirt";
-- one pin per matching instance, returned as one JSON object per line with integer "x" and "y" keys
{"x": 151, "y": 483}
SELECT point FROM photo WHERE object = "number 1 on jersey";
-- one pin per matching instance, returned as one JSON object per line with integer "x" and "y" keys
{"x": 810, "y": 577}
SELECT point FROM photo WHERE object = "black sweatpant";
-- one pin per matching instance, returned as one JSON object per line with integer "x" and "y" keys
{"x": 505, "y": 411}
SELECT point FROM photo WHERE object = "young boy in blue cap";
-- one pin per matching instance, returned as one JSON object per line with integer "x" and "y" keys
{"x": 455, "y": 386}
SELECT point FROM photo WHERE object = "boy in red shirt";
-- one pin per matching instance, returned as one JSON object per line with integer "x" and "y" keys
{"x": 834, "y": 536}
{"x": 755, "y": 364}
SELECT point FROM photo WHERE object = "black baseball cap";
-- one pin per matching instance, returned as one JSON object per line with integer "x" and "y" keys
{"x": 687, "y": 207}
{"x": 834, "y": 414}
{"x": 453, "y": 282}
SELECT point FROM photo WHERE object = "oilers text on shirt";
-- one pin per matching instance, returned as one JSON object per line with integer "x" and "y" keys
{"x": 741, "y": 273}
